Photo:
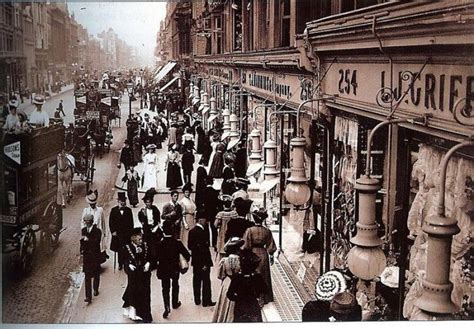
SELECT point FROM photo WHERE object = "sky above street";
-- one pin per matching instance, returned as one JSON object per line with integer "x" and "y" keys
{"x": 135, "y": 22}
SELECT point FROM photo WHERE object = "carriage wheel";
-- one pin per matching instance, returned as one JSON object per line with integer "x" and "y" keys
{"x": 55, "y": 220}
{"x": 27, "y": 249}
{"x": 46, "y": 241}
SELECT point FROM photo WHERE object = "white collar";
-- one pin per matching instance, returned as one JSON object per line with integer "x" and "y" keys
{"x": 198, "y": 224}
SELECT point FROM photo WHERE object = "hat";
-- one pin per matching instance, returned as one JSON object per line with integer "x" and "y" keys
{"x": 136, "y": 231}
{"x": 200, "y": 213}
{"x": 259, "y": 215}
{"x": 91, "y": 197}
{"x": 329, "y": 284}
{"x": 88, "y": 217}
{"x": 343, "y": 303}
{"x": 151, "y": 147}
{"x": 13, "y": 103}
{"x": 242, "y": 181}
{"x": 149, "y": 194}
{"x": 225, "y": 198}
{"x": 167, "y": 227}
{"x": 121, "y": 196}
{"x": 233, "y": 243}
{"x": 242, "y": 206}
{"x": 249, "y": 261}
{"x": 38, "y": 100}
{"x": 188, "y": 187}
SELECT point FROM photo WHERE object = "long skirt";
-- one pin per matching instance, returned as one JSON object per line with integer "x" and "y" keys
{"x": 247, "y": 311}
{"x": 217, "y": 165}
{"x": 132, "y": 191}
{"x": 173, "y": 177}
{"x": 184, "y": 232}
{"x": 264, "y": 270}
{"x": 224, "y": 310}
{"x": 137, "y": 295}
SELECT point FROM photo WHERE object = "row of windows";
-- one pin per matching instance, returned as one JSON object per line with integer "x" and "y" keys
{"x": 255, "y": 25}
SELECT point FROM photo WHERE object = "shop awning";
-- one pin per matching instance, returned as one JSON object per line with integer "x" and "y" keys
{"x": 191, "y": 95}
{"x": 201, "y": 107}
{"x": 169, "y": 84}
{"x": 253, "y": 168}
{"x": 205, "y": 110}
{"x": 164, "y": 71}
{"x": 267, "y": 185}
{"x": 212, "y": 117}
{"x": 195, "y": 101}
{"x": 232, "y": 143}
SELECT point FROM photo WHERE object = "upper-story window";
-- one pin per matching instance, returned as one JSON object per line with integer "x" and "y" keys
{"x": 285, "y": 10}
{"x": 238, "y": 28}
{"x": 348, "y": 5}
{"x": 217, "y": 34}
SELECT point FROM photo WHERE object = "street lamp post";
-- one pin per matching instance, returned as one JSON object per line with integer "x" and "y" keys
{"x": 130, "y": 93}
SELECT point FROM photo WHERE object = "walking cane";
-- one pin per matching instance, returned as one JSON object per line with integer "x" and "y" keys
{"x": 115, "y": 260}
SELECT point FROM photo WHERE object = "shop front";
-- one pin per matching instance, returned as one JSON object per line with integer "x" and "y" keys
{"x": 427, "y": 100}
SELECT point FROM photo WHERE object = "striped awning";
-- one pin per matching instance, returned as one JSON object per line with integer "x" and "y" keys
{"x": 267, "y": 185}
{"x": 169, "y": 84}
{"x": 164, "y": 71}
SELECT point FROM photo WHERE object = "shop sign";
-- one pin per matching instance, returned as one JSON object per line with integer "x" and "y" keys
{"x": 286, "y": 87}
{"x": 221, "y": 73}
{"x": 92, "y": 115}
{"x": 13, "y": 151}
{"x": 436, "y": 90}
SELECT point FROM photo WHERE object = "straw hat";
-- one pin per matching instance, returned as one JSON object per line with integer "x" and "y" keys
{"x": 38, "y": 100}
{"x": 330, "y": 284}
{"x": 91, "y": 197}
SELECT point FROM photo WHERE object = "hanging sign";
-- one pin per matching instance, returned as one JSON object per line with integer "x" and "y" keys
{"x": 13, "y": 151}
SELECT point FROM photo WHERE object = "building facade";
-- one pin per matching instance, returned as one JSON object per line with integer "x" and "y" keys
{"x": 354, "y": 64}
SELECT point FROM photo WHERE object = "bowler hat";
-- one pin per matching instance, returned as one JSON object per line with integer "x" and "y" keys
{"x": 39, "y": 100}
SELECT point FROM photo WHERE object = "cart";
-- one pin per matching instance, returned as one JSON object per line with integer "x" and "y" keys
{"x": 30, "y": 212}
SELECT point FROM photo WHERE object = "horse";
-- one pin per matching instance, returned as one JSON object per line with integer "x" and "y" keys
{"x": 65, "y": 175}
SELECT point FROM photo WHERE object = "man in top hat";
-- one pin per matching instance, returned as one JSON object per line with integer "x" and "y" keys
{"x": 39, "y": 117}
{"x": 90, "y": 251}
{"x": 201, "y": 260}
{"x": 97, "y": 212}
{"x": 149, "y": 217}
{"x": 126, "y": 156}
{"x": 222, "y": 219}
{"x": 121, "y": 226}
{"x": 173, "y": 212}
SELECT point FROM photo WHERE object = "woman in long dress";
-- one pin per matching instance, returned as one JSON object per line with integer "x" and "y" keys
{"x": 228, "y": 267}
{"x": 173, "y": 177}
{"x": 133, "y": 182}
{"x": 217, "y": 164}
{"x": 150, "y": 168}
{"x": 259, "y": 239}
{"x": 189, "y": 209}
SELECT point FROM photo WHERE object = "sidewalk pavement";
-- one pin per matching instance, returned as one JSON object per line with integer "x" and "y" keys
{"x": 28, "y": 105}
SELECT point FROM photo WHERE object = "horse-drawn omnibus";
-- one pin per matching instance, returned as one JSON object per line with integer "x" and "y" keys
{"x": 29, "y": 185}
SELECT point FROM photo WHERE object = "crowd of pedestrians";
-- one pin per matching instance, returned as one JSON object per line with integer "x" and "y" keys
{"x": 214, "y": 223}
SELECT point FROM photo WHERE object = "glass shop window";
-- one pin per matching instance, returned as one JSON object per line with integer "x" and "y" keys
{"x": 348, "y": 5}
{"x": 217, "y": 32}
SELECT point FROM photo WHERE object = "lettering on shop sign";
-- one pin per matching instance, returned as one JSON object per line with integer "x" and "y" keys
{"x": 347, "y": 81}
{"x": 433, "y": 92}
{"x": 268, "y": 84}
{"x": 220, "y": 73}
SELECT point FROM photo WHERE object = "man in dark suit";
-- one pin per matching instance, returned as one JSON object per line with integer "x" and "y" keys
{"x": 168, "y": 251}
{"x": 90, "y": 251}
{"x": 173, "y": 212}
{"x": 198, "y": 243}
{"x": 121, "y": 226}
{"x": 126, "y": 156}
{"x": 201, "y": 176}
{"x": 211, "y": 208}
